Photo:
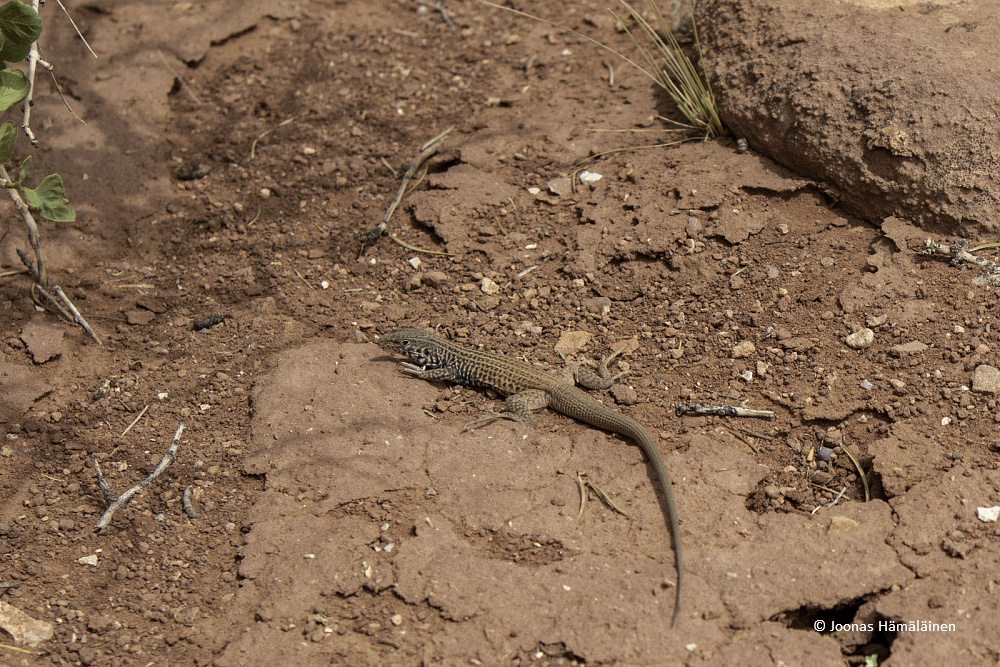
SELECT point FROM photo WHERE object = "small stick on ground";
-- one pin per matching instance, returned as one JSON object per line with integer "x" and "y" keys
{"x": 19, "y": 649}
{"x": 604, "y": 498}
{"x": 180, "y": 79}
{"x": 253, "y": 146}
{"x": 134, "y": 422}
{"x": 77, "y": 317}
{"x": 857, "y": 465}
{"x": 611, "y": 73}
{"x": 385, "y": 163}
{"x": 187, "y": 504}
{"x": 755, "y": 434}
{"x": 583, "y": 495}
{"x": 50, "y": 300}
{"x": 959, "y": 255}
{"x": 116, "y": 503}
{"x": 742, "y": 438}
{"x": 438, "y": 7}
{"x": 306, "y": 282}
{"x": 832, "y": 502}
{"x": 705, "y": 409}
{"x": 382, "y": 228}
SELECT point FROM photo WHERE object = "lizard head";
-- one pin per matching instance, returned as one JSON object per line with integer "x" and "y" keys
{"x": 420, "y": 346}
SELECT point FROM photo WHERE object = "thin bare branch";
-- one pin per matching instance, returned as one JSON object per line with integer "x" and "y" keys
{"x": 121, "y": 501}
{"x": 73, "y": 23}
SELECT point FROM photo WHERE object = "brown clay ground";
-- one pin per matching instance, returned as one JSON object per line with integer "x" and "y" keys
{"x": 310, "y": 454}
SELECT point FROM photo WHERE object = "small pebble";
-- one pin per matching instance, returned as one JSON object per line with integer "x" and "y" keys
{"x": 488, "y": 286}
{"x": 986, "y": 379}
{"x": 860, "y": 339}
{"x": 988, "y": 514}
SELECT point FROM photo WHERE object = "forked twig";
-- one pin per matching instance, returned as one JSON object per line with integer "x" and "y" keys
{"x": 51, "y": 301}
{"x": 116, "y": 503}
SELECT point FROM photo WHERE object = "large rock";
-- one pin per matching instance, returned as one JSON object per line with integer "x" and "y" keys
{"x": 894, "y": 104}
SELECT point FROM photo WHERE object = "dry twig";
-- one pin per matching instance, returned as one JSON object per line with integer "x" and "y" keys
{"x": 73, "y": 23}
{"x": 705, "y": 409}
{"x": 605, "y": 498}
{"x": 187, "y": 504}
{"x": 134, "y": 422}
{"x": 382, "y": 228}
{"x": 177, "y": 75}
{"x": 253, "y": 146}
{"x": 116, "y": 503}
{"x": 438, "y": 7}
{"x": 959, "y": 255}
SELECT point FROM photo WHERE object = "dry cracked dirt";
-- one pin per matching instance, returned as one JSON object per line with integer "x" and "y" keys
{"x": 231, "y": 155}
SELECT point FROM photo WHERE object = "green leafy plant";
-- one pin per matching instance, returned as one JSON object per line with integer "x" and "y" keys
{"x": 20, "y": 27}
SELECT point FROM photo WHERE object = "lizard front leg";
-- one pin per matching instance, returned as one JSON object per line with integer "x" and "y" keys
{"x": 424, "y": 373}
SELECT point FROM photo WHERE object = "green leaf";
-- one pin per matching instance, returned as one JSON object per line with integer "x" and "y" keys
{"x": 50, "y": 199}
{"x": 8, "y": 135}
{"x": 21, "y": 25}
{"x": 14, "y": 86}
{"x": 14, "y": 53}
{"x": 22, "y": 172}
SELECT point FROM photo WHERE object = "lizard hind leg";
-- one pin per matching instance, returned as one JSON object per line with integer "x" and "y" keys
{"x": 519, "y": 408}
{"x": 602, "y": 379}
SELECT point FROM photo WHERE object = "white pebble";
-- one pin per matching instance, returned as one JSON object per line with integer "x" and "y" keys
{"x": 988, "y": 514}
{"x": 488, "y": 286}
{"x": 860, "y": 339}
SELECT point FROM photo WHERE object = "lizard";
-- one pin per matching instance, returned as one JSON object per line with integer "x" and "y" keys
{"x": 527, "y": 389}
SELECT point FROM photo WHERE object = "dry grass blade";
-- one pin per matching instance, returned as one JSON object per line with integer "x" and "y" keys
{"x": 688, "y": 88}
{"x": 861, "y": 472}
